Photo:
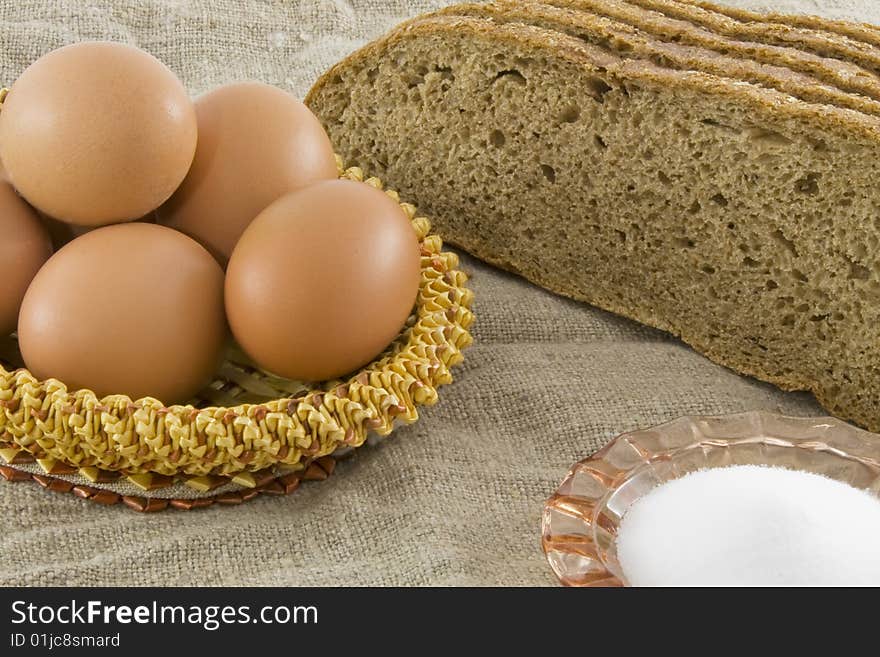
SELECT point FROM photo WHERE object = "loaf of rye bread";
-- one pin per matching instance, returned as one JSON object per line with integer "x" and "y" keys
{"x": 740, "y": 212}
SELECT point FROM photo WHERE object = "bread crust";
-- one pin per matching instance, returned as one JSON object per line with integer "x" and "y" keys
{"x": 860, "y": 31}
{"x": 640, "y": 45}
{"x": 846, "y": 75}
{"x": 819, "y": 41}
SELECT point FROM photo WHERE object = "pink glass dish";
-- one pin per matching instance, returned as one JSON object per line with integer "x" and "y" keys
{"x": 580, "y": 521}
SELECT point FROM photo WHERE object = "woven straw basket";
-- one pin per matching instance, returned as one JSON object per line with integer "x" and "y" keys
{"x": 248, "y": 432}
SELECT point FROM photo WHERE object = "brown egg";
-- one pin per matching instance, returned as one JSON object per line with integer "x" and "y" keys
{"x": 24, "y": 247}
{"x": 256, "y": 143}
{"x": 97, "y": 133}
{"x": 133, "y": 309}
{"x": 323, "y": 280}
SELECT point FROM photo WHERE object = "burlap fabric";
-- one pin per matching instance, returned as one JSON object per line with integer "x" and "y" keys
{"x": 454, "y": 499}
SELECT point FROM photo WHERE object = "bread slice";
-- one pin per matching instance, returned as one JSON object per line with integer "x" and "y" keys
{"x": 628, "y": 41}
{"x": 741, "y": 219}
{"x": 820, "y": 42}
{"x": 859, "y": 31}
{"x": 846, "y": 75}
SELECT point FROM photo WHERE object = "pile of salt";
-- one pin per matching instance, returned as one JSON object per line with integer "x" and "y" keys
{"x": 752, "y": 526}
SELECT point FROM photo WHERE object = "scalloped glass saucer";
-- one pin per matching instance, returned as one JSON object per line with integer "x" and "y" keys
{"x": 580, "y": 521}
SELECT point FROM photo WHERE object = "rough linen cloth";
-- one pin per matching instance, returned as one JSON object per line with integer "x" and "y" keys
{"x": 456, "y": 498}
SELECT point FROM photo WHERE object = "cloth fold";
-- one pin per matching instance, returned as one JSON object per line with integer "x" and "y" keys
{"x": 455, "y": 499}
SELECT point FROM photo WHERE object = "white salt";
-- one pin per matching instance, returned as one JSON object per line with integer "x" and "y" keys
{"x": 752, "y": 526}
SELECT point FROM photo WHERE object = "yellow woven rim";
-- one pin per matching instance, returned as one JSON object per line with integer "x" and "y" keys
{"x": 247, "y": 420}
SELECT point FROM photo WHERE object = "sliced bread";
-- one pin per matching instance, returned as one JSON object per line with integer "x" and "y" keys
{"x": 846, "y": 75}
{"x": 629, "y": 41}
{"x": 860, "y": 31}
{"x": 742, "y": 219}
{"x": 819, "y": 41}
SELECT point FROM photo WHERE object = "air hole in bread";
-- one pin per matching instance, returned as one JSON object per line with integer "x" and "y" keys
{"x": 548, "y": 172}
{"x": 599, "y": 141}
{"x": 771, "y": 284}
{"x": 510, "y": 75}
{"x": 858, "y": 272}
{"x": 784, "y": 242}
{"x": 598, "y": 88}
{"x": 707, "y": 269}
{"x": 719, "y": 199}
{"x": 445, "y": 73}
{"x": 497, "y": 138}
{"x": 798, "y": 275}
{"x": 684, "y": 242}
{"x": 621, "y": 236}
{"x": 764, "y": 137}
{"x": 662, "y": 177}
{"x": 717, "y": 124}
{"x": 809, "y": 184}
{"x": 750, "y": 262}
{"x": 570, "y": 114}
{"x": 413, "y": 81}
